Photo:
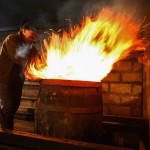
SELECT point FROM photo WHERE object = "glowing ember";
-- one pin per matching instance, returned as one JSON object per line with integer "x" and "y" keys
{"x": 89, "y": 51}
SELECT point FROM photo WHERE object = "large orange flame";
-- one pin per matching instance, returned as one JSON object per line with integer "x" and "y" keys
{"x": 89, "y": 51}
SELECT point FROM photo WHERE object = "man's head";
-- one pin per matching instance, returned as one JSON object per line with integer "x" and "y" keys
{"x": 29, "y": 32}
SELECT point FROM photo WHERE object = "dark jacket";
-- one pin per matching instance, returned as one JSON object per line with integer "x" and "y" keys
{"x": 12, "y": 65}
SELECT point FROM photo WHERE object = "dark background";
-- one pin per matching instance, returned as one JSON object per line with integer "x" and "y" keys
{"x": 13, "y": 13}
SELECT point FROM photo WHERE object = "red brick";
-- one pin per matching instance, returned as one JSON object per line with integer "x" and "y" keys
{"x": 137, "y": 66}
{"x": 105, "y": 87}
{"x": 120, "y": 88}
{"x": 111, "y": 99}
{"x": 137, "y": 89}
{"x": 122, "y": 66}
{"x": 131, "y": 100}
{"x": 112, "y": 77}
{"x": 119, "y": 110}
{"x": 131, "y": 77}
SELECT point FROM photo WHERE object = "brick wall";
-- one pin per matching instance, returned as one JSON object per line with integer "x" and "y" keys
{"x": 122, "y": 89}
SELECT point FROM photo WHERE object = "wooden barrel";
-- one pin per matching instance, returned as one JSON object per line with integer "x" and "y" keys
{"x": 69, "y": 109}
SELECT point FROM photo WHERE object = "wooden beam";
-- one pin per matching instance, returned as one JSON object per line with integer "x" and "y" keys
{"x": 40, "y": 142}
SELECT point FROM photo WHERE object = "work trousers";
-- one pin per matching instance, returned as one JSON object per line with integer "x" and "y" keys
{"x": 10, "y": 96}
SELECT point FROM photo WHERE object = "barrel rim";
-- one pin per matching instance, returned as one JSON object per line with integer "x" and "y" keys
{"x": 77, "y": 83}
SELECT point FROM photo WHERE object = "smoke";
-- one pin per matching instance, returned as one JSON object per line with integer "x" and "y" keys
{"x": 46, "y": 12}
{"x": 75, "y": 11}
{"x": 23, "y": 50}
{"x": 127, "y": 7}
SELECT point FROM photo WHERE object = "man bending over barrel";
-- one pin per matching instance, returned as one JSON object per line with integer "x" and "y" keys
{"x": 16, "y": 50}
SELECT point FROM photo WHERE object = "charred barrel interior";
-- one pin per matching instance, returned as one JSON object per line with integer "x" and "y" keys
{"x": 69, "y": 109}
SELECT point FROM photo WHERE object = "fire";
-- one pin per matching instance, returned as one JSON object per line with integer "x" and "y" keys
{"x": 89, "y": 51}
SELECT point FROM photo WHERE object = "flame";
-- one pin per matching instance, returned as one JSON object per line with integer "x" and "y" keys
{"x": 89, "y": 51}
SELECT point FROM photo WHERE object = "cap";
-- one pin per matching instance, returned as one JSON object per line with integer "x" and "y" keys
{"x": 29, "y": 26}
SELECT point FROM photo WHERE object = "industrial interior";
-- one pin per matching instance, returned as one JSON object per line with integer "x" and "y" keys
{"x": 77, "y": 111}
